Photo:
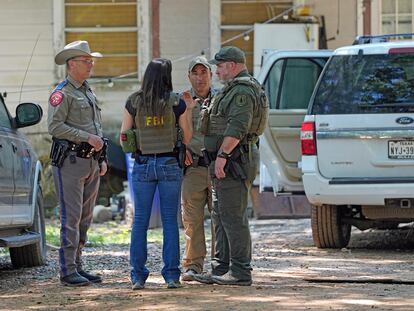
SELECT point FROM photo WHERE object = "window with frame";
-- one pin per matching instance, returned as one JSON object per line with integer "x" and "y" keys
{"x": 377, "y": 83}
{"x": 272, "y": 83}
{"x": 396, "y": 16}
{"x": 110, "y": 27}
{"x": 287, "y": 76}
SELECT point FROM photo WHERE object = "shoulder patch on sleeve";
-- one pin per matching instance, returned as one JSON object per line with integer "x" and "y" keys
{"x": 56, "y": 98}
{"x": 241, "y": 100}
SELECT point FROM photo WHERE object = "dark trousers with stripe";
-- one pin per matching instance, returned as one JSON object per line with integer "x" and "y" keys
{"x": 77, "y": 187}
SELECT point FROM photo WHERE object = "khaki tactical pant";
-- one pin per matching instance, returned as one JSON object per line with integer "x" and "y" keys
{"x": 196, "y": 194}
{"x": 233, "y": 250}
{"x": 77, "y": 187}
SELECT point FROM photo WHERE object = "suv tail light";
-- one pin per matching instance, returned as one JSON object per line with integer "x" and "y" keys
{"x": 308, "y": 138}
{"x": 407, "y": 50}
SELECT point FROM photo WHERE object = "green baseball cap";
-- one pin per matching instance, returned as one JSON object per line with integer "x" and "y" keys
{"x": 199, "y": 60}
{"x": 229, "y": 54}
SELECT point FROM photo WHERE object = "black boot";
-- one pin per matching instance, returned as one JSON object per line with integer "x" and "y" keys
{"x": 74, "y": 279}
{"x": 91, "y": 277}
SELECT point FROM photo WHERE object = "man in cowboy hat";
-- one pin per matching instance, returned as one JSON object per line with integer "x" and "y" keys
{"x": 74, "y": 121}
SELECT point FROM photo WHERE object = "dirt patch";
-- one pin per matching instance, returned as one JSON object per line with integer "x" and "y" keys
{"x": 283, "y": 256}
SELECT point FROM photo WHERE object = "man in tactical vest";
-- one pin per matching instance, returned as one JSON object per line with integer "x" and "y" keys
{"x": 232, "y": 124}
{"x": 196, "y": 187}
{"x": 78, "y": 157}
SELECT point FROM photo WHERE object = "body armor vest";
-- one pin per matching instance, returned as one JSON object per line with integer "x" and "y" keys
{"x": 261, "y": 107}
{"x": 217, "y": 120}
{"x": 157, "y": 134}
{"x": 197, "y": 141}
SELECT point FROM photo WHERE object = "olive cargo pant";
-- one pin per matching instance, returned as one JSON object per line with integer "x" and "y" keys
{"x": 196, "y": 194}
{"x": 77, "y": 187}
{"x": 233, "y": 249}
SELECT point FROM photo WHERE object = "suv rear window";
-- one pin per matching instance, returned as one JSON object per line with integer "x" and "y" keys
{"x": 358, "y": 84}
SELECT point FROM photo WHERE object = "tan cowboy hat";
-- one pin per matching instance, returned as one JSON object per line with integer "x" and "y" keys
{"x": 73, "y": 49}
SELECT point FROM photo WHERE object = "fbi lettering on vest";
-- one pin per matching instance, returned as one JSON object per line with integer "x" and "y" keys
{"x": 151, "y": 121}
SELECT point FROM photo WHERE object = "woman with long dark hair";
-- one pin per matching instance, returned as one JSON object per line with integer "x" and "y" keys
{"x": 158, "y": 118}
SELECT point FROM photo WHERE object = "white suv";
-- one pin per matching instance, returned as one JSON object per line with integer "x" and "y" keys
{"x": 358, "y": 142}
{"x": 289, "y": 77}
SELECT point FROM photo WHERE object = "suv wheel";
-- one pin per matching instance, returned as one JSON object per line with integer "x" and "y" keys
{"x": 327, "y": 229}
{"x": 33, "y": 254}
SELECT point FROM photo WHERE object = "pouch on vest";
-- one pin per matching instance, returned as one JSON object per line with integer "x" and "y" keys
{"x": 128, "y": 141}
{"x": 218, "y": 124}
{"x": 203, "y": 121}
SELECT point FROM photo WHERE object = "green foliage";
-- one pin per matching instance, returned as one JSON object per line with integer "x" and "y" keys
{"x": 53, "y": 234}
{"x": 46, "y": 182}
{"x": 105, "y": 234}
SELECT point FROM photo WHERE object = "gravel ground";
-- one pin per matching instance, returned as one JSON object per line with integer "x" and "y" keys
{"x": 283, "y": 257}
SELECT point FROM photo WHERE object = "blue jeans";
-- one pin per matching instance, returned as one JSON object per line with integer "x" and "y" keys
{"x": 150, "y": 173}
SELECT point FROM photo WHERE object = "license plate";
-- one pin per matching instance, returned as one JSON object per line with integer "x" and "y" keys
{"x": 401, "y": 149}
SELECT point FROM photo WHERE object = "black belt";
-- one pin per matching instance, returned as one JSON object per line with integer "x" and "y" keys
{"x": 83, "y": 150}
{"x": 213, "y": 154}
{"x": 202, "y": 162}
{"x": 158, "y": 155}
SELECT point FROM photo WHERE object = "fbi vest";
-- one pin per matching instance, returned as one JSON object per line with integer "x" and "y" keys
{"x": 156, "y": 134}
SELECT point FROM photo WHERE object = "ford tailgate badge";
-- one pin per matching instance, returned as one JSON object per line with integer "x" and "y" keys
{"x": 404, "y": 120}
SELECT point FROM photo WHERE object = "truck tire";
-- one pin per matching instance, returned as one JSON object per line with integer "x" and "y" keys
{"x": 327, "y": 229}
{"x": 33, "y": 254}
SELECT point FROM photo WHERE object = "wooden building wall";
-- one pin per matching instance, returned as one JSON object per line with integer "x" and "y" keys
{"x": 21, "y": 24}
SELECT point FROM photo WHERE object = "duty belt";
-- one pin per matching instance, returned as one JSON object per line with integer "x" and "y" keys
{"x": 209, "y": 156}
{"x": 83, "y": 150}
{"x": 202, "y": 162}
{"x": 198, "y": 160}
{"x": 61, "y": 148}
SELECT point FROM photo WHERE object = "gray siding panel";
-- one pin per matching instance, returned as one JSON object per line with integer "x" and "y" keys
{"x": 184, "y": 30}
{"x": 21, "y": 23}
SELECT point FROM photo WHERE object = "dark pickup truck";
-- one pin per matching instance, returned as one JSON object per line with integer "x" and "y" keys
{"x": 22, "y": 224}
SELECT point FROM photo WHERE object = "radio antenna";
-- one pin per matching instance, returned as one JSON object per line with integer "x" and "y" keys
{"x": 28, "y": 65}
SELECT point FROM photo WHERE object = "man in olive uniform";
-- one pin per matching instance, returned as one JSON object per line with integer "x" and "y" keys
{"x": 74, "y": 121}
{"x": 232, "y": 124}
{"x": 196, "y": 187}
